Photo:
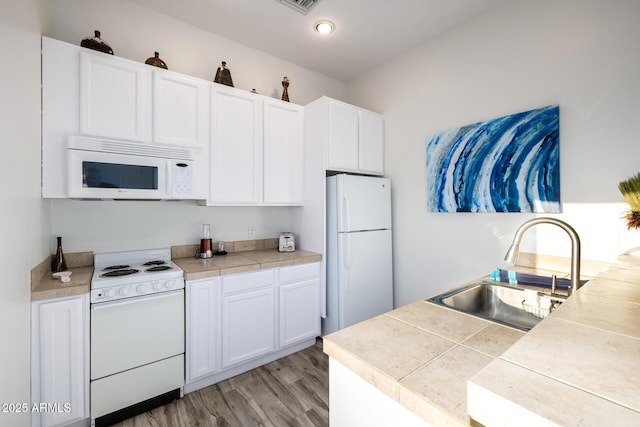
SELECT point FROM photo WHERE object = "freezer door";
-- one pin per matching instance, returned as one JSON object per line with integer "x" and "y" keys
{"x": 365, "y": 276}
{"x": 364, "y": 203}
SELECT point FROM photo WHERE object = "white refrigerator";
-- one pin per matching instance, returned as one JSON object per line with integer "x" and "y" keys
{"x": 358, "y": 256}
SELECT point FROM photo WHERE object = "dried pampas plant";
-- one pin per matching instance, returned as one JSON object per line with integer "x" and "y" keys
{"x": 630, "y": 189}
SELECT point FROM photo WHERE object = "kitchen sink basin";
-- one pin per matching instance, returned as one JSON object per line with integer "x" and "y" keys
{"x": 497, "y": 303}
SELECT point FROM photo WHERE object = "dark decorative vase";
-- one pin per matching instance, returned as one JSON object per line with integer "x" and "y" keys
{"x": 285, "y": 90}
{"x": 156, "y": 61}
{"x": 223, "y": 75}
{"x": 96, "y": 43}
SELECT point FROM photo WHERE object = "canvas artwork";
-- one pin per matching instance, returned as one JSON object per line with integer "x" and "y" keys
{"x": 508, "y": 164}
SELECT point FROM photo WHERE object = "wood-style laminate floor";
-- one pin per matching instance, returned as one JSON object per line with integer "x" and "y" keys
{"x": 292, "y": 391}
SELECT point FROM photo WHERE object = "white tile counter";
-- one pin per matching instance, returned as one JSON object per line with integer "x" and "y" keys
{"x": 580, "y": 366}
{"x": 421, "y": 356}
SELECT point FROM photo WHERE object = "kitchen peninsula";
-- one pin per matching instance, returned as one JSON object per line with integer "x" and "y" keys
{"x": 428, "y": 365}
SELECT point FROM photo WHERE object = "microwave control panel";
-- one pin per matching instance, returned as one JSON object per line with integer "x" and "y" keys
{"x": 182, "y": 178}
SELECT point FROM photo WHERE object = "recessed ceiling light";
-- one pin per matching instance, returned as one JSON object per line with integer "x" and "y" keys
{"x": 324, "y": 27}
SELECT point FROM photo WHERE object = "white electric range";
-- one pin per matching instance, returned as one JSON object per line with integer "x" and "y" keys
{"x": 137, "y": 333}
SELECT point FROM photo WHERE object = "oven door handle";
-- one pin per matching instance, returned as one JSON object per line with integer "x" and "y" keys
{"x": 134, "y": 300}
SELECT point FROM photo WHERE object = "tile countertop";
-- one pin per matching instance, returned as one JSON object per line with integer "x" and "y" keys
{"x": 421, "y": 355}
{"x": 45, "y": 286}
{"x": 577, "y": 367}
{"x": 241, "y": 262}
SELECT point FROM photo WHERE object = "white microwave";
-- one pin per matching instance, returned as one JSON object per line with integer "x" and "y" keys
{"x": 99, "y": 169}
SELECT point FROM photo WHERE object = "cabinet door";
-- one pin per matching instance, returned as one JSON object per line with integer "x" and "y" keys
{"x": 202, "y": 321}
{"x": 342, "y": 143}
{"x": 370, "y": 143}
{"x": 62, "y": 366}
{"x": 112, "y": 97}
{"x": 248, "y": 325}
{"x": 283, "y": 152}
{"x": 180, "y": 110}
{"x": 299, "y": 311}
{"x": 60, "y": 111}
{"x": 236, "y": 141}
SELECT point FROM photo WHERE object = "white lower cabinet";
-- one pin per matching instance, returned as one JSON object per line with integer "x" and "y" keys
{"x": 240, "y": 321}
{"x": 299, "y": 292}
{"x": 202, "y": 321}
{"x": 248, "y": 316}
{"x": 60, "y": 361}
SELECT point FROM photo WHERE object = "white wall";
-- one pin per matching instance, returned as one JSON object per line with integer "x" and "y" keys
{"x": 23, "y": 216}
{"x": 103, "y": 226}
{"x": 580, "y": 54}
{"x": 135, "y": 32}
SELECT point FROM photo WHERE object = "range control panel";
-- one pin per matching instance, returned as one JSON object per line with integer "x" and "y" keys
{"x": 131, "y": 290}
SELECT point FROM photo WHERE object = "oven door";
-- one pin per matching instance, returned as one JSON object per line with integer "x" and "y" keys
{"x": 99, "y": 175}
{"x": 129, "y": 333}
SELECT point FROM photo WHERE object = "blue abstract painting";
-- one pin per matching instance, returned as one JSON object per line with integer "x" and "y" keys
{"x": 509, "y": 164}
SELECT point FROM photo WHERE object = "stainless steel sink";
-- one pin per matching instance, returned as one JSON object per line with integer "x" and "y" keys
{"x": 492, "y": 301}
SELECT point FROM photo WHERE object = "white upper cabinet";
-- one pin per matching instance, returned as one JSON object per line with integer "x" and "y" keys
{"x": 342, "y": 147}
{"x": 370, "y": 142}
{"x": 113, "y": 97}
{"x": 126, "y": 100}
{"x": 180, "y": 110}
{"x": 353, "y": 138}
{"x": 236, "y": 146}
{"x": 256, "y": 149}
{"x": 247, "y": 148}
{"x": 283, "y": 152}
{"x": 90, "y": 93}
{"x": 60, "y": 111}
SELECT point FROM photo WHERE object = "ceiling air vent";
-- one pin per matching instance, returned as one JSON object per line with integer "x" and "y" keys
{"x": 302, "y": 6}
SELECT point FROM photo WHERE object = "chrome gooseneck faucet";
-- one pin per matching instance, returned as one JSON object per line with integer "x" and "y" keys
{"x": 514, "y": 249}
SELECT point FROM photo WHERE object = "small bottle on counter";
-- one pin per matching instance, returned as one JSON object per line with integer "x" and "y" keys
{"x": 57, "y": 262}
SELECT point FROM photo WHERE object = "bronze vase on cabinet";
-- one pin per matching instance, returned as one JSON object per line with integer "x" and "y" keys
{"x": 223, "y": 75}
{"x": 285, "y": 89}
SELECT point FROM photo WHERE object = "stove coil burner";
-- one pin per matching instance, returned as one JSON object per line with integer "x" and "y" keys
{"x": 159, "y": 268}
{"x": 115, "y": 267}
{"x": 123, "y": 272}
{"x": 154, "y": 262}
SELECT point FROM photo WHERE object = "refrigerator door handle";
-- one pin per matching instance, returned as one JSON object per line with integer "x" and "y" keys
{"x": 347, "y": 259}
{"x": 346, "y": 217}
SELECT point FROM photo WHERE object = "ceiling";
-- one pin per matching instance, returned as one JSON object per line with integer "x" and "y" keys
{"x": 368, "y": 32}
